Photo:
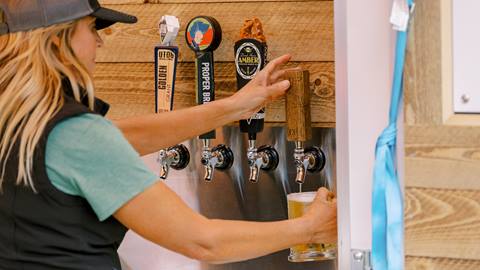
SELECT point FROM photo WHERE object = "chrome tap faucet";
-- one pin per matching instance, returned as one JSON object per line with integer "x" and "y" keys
{"x": 219, "y": 157}
{"x": 255, "y": 161}
{"x": 209, "y": 160}
{"x": 301, "y": 162}
{"x": 310, "y": 159}
{"x": 265, "y": 158}
{"x": 176, "y": 157}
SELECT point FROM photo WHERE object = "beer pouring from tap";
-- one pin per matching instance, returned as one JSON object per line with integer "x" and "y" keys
{"x": 203, "y": 35}
{"x": 166, "y": 54}
{"x": 250, "y": 57}
{"x": 297, "y": 108}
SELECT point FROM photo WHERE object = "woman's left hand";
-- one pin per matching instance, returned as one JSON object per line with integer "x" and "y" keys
{"x": 267, "y": 86}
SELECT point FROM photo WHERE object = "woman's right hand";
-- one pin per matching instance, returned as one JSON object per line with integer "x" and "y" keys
{"x": 268, "y": 85}
{"x": 322, "y": 218}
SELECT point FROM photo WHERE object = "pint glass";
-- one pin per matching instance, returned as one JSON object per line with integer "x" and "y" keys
{"x": 297, "y": 204}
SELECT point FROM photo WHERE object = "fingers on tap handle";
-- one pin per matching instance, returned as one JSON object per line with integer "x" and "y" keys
{"x": 280, "y": 74}
{"x": 278, "y": 89}
{"x": 276, "y": 63}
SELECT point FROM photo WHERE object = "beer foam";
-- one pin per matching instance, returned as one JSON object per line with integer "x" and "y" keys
{"x": 303, "y": 197}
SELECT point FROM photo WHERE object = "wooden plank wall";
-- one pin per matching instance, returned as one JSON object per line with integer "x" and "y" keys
{"x": 125, "y": 69}
{"x": 442, "y": 161}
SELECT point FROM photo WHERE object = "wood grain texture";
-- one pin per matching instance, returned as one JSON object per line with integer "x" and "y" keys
{"x": 423, "y": 70}
{"x": 453, "y": 168}
{"x": 130, "y": 89}
{"x": 138, "y": 2}
{"x": 297, "y": 106}
{"x": 121, "y": 2}
{"x": 442, "y": 135}
{"x": 442, "y": 157}
{"x": 426, "y": 263}
{"x": 442, "y": 162}
{"x": 442, "y": 223}
{"x": 303, "y": 29}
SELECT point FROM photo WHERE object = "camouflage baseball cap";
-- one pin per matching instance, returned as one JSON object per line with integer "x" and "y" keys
{"x": 24, "y": 15}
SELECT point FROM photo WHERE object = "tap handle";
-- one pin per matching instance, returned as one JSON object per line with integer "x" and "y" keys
{"x": 224, "y": 155}
{"x": 250, "y": 57}
{"x": 297, "y": 106}
{"x": 182, "y": 157}
{"x": 205, "y": 85}
{"x": 203, "y": 35}
{"x": 166, "y": 58}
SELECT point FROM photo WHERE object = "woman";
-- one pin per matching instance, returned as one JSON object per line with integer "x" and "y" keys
{"x": 73, "y": 183}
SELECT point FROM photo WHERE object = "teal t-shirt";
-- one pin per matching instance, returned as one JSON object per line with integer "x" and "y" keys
{"x": 88, "y": 156}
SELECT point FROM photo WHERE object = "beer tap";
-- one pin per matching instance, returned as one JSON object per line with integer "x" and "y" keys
{"x": 265, "y": 158}
{"x": 219, "y": 157}
{"x": 297, "y": 108}
{"x": 166, "y": 54}
{"x": 176, "y": 157}
{"x": 203, "y": 35}
{"x": 250, "y": 57}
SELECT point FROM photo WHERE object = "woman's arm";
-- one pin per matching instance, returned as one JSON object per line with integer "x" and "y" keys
{"x": 150, "y": 133}
{"x": 160, "y": 216}
{"x": 153, "y": 132}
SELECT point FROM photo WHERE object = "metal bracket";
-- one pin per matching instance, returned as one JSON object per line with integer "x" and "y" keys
{"x": 361, "y": 259}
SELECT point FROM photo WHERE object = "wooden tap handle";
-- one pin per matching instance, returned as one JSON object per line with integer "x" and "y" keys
{"x": 297, "y": 106}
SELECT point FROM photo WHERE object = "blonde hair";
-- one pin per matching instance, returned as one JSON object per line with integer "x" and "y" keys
{"x": 32, "y": 66}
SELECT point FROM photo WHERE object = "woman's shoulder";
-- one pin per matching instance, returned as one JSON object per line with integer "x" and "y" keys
{"x": 85, "y": 122}
{"x": 85, "y": 128}
{"x": 88, "y": 137}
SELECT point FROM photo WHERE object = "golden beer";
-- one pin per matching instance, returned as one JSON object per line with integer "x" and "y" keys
{"x": 297, "y": 204}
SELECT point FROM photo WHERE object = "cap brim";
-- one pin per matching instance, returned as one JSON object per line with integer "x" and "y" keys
{"x": 106, "y": 17}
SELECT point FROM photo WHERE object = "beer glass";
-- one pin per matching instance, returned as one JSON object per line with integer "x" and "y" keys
{"x": 297, "y": 204}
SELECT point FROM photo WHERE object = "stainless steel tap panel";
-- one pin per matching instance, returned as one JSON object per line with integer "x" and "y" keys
{"x": 230, "y": 195}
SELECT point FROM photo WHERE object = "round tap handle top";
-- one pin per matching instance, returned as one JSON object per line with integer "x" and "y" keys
{"x": 203, "y": 34}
